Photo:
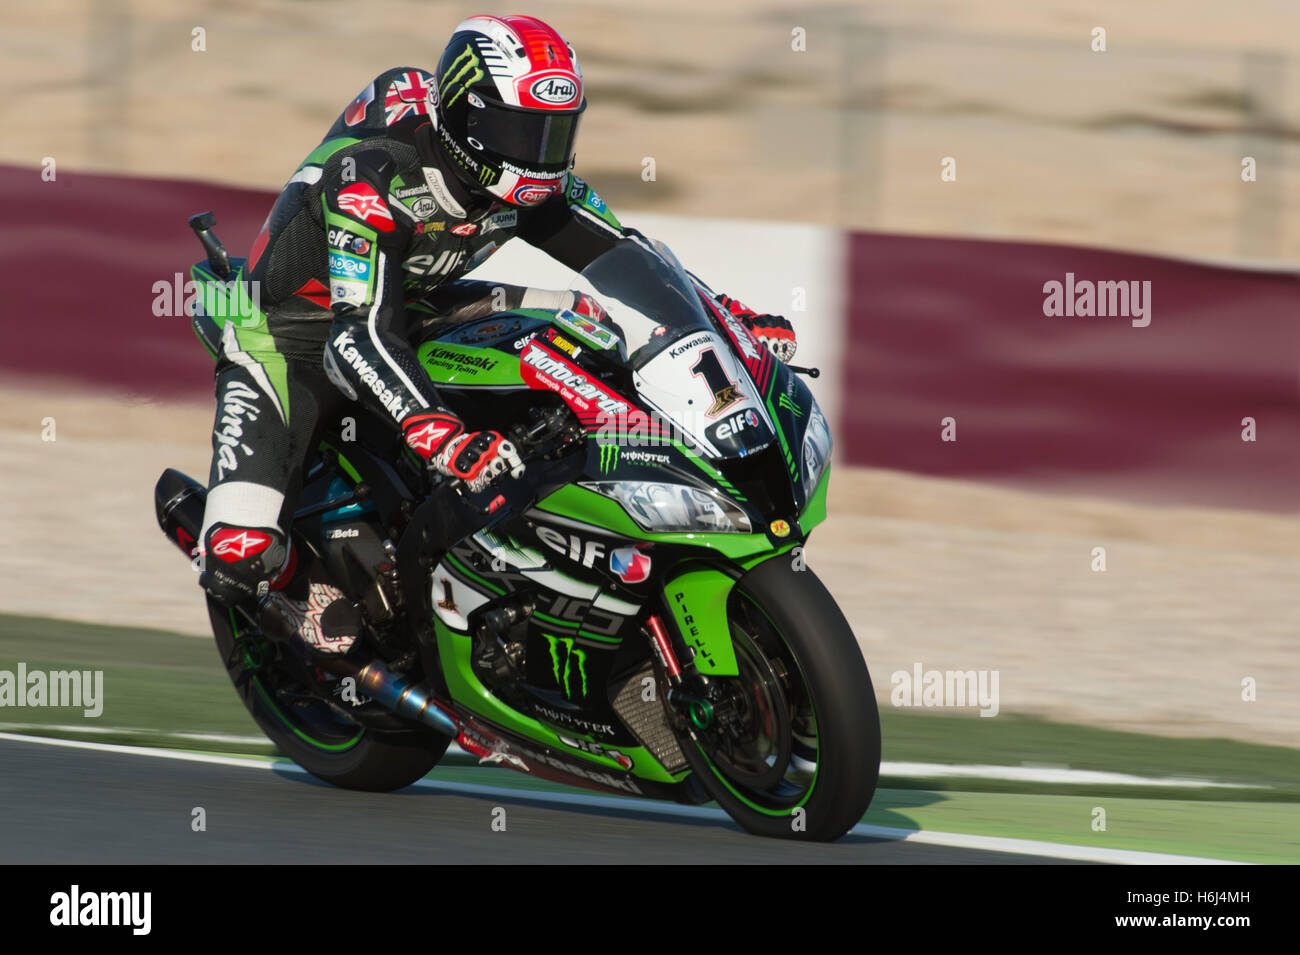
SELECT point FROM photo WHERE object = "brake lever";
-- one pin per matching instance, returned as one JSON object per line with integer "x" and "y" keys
{"x": 810, "y": 372}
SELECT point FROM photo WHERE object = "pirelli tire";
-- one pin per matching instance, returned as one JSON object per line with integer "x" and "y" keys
{"x": 328, "y": 747}
{"x": 800, "y": 666}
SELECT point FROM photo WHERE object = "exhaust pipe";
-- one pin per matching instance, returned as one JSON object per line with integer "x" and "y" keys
{"x": 391, "y": 691}
{"x": 179, "y": 501}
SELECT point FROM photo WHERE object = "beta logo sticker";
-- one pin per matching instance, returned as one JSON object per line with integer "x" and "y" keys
{"x": 362, "y": 202}
{"x": 630, "y": 564}
{"x": 232, "y": 545}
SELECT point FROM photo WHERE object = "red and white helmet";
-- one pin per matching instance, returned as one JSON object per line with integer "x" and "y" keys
{"x": 509, "y": 99}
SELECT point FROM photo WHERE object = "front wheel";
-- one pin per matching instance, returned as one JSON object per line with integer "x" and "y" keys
{"x": 793, "y": 750}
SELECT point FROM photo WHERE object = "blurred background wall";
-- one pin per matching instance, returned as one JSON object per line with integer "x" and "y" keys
{"x": 1138, "y": 147}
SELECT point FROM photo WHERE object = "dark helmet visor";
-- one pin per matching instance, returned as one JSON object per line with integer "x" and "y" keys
{"x": 524, "y": 136}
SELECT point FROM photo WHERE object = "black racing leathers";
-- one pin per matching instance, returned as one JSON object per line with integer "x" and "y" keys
{"x": 376, "y": 216}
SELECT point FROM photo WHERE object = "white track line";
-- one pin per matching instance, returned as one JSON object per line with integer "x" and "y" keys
{"x": 1032, "y": 774}
{"x": 1050, "y": 774}
{"x": 1055, "y": 850}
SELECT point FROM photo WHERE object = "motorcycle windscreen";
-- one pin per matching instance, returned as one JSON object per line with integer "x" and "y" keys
{"x": 698, "y": 384}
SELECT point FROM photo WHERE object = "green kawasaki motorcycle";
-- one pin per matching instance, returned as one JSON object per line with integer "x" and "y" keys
{"x": 633, "y": 615}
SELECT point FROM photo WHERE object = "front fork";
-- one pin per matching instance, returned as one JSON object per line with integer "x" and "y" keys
{"x": 688, "y": 707}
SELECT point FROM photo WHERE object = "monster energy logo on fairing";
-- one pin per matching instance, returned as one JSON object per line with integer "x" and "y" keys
{"x": 469, "y": 64}
{"x": 608, "y": 458}
{"x": 563, "y": 681}
{"x": 785, "y": 402}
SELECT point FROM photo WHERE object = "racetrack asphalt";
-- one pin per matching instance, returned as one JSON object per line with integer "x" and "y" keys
{"x": 71, "y": 806}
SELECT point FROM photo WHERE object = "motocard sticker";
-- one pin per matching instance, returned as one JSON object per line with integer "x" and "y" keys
{"x": 544, "y": 369}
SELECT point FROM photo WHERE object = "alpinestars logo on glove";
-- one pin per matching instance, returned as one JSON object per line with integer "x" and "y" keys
{"x": 428, "y": 437}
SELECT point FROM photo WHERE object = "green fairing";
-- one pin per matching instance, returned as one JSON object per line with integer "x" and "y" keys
{"x": 480, "y": 366}
{"x": 597, "y": 509}
{"x": 698, "y": 599}
{"x": 814, "y": 512}
{"x": 454, "y": 653}
{"x": 224, "y": 300}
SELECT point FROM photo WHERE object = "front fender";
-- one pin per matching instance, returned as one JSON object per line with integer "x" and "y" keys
{"x": 697, "y": 599}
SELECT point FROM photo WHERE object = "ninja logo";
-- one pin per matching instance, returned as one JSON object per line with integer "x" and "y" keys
{"x": 237, "y": 412}
{"x": 574, "y": 666}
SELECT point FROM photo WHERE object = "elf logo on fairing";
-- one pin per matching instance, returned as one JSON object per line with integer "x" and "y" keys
{"x": 735, "y": 424}
{"x": 345, "y": 346}
{"x": 565, "y": 679}
{"x": 572, "y": 546}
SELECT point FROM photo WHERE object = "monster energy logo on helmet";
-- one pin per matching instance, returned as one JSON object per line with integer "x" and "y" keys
{"x": 565, "y": 680}
{"x": 608, "y": 458}
{"x": 463, "y": 71}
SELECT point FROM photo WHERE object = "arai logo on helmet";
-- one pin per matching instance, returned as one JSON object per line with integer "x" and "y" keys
{"x": 556, "y": 90}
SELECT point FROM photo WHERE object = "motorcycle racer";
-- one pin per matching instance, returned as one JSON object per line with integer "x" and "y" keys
{"x": 420, "y": 179}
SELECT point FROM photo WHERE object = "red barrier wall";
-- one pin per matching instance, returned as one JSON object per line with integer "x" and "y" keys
{"x": 79, "y": 257}
{"x": 946, "y": 327}
{"x": 938, "y": 327}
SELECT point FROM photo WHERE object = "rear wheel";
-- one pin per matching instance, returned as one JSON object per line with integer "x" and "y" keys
{"x": 793, "y": 750}
{"x": 305, "y": 728}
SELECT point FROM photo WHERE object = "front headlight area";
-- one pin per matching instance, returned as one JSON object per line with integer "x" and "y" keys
{"x": 662, "y": 507}
{"x": 816, "y": 448}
